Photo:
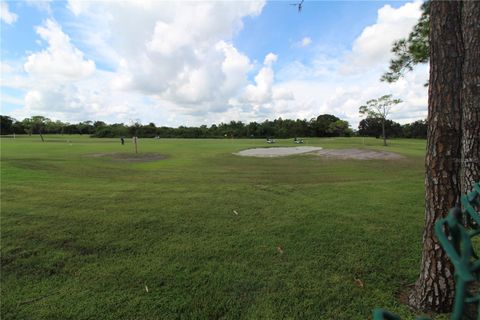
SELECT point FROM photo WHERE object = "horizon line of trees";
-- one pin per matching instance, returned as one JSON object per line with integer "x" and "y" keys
{"x": 324, "y": 125}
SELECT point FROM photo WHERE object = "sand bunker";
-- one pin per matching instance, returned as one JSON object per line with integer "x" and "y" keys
{"x": 130, "y": 157}
{"x": 359, "y": 154}
{"x": 276, "y": 152}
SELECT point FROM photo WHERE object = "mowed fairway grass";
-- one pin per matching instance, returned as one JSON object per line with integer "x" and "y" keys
{"x": 83, "y": 237}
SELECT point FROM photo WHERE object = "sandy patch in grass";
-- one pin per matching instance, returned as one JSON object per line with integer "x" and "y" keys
{"x": 359, "y": 154}
{"x": 276, "y": 151}
{"x": 130, "y": 157}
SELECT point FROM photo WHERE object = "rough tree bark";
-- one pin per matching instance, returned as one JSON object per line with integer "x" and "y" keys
{"x": 470, "y": 172}
{"x": 434, "y": 289}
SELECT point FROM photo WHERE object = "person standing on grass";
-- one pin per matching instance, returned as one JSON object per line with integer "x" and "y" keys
{"x": 122, "y": 140}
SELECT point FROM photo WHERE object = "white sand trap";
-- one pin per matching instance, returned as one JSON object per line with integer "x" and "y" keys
{"x": 359, "y": 154}
{"x": 276, "y": 152}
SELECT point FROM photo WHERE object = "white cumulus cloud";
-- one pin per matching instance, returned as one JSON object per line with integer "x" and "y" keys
{"x": 340, "y": 84}
{"x": 173, "y": 61}
{"x": 305, "y": 42}
{"x": 60, "y": 60}
{"x": 373, "y": 47}
{"x": 261, "y": 91}
{"x": 264, "y": 99}
{"x": 6, "y": 15}
{"x": 176, "y": 63}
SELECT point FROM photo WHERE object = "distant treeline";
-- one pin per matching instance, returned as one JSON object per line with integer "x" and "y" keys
{"x": 372, "y": 127}
{"x": 325, "y": 125}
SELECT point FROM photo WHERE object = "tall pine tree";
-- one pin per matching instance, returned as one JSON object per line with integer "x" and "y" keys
{"x": 453, "y": 142}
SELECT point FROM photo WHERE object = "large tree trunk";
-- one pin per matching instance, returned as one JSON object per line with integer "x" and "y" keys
{"x": 434, "y": 289}
{"x": 470, "y": 172}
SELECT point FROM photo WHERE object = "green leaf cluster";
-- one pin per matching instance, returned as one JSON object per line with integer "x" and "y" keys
{"x": 412, "y": 50}
{"x": 379, "y": 108}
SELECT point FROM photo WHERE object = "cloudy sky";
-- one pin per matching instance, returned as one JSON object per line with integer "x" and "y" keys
{"x": 191, "y": 63}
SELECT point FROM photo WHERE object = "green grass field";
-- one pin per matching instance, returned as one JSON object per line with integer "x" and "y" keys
{"x": 82, "y": 237}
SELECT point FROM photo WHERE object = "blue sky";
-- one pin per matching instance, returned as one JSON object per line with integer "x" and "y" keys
{"x": 333, "y": 24}
{"x": 191, "y": 63}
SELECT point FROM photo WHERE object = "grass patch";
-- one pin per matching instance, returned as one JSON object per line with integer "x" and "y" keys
{"x": 83, "y": 237}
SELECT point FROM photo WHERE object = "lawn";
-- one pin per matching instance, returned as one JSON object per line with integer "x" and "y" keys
{"x": 87, "y": 237}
